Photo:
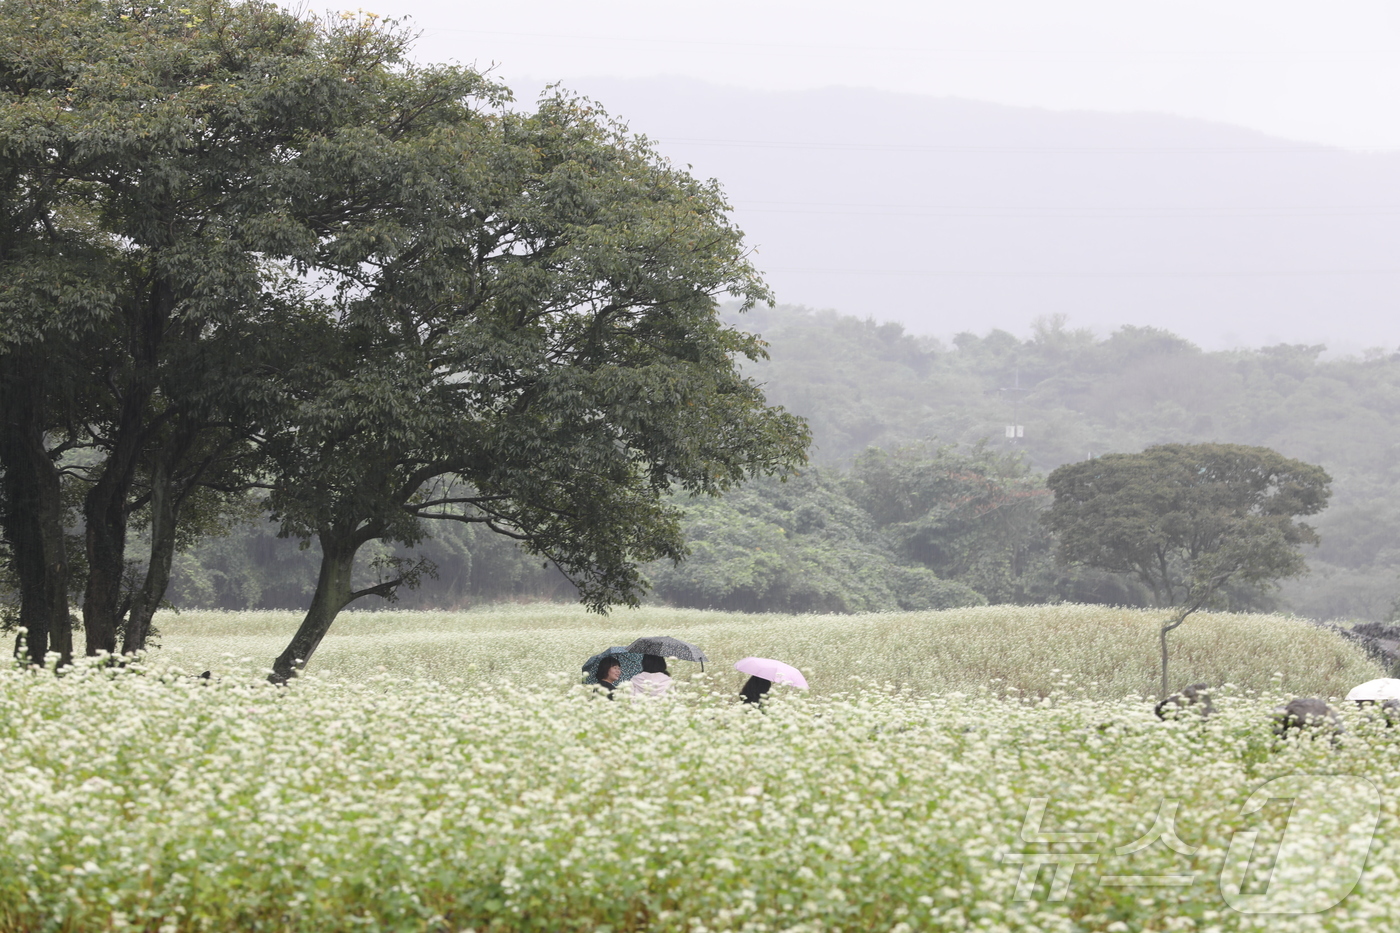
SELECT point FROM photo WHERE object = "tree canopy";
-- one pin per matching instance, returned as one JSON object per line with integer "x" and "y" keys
{"x": 1188, "y": 519}
{"x": 549, "y": 364}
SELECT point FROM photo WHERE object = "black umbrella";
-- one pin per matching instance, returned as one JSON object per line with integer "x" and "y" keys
{"x": 630, "y": 662}
{"x": 668, "y": 647}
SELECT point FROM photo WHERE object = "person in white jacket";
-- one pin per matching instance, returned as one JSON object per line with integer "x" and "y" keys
{"x": 654, "y": 680}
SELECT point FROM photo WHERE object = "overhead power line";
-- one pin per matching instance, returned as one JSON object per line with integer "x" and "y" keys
{"x": 1297, "y": 149}
{"x": 1056, "y": 213}
{"x": 1164, "y": 208}
{"x": 1130, "y": 53}
{"x": 1028, "y": 274}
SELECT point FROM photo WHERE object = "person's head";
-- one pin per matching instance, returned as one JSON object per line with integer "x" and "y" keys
{"x": 609, "y": 670}
{"x": 654, "y": 664}
{"x": 754, "y": 688}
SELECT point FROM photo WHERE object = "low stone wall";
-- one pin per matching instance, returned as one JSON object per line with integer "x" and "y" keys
{"x": 1379, "y": 639}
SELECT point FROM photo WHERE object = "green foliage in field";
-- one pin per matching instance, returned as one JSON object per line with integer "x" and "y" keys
{"x": 150, "y": 801}
{"x": 797, "y": 546}
{"x": 249, "y": 248}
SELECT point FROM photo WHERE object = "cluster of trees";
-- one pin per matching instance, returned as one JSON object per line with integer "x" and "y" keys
{"x": 252, "y": 260}
{"x": 917, "y": 527}
{"x": 921, "y": 527}
{"x": 860, "y": 383}
{"x": 924, "y": 526}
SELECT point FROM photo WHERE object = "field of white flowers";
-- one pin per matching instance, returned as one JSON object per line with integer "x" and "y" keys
{"x": 147, "y": 799}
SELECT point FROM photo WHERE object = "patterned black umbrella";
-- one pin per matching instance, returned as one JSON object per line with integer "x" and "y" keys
{"x": 630, "y": 662}
{"x": 668, "y": 647}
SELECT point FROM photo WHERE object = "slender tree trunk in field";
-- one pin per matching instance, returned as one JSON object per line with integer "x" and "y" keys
{"x": 1180, "y": 618}
{"x": 34, "y": 523}
{"x": 333, "y": 593}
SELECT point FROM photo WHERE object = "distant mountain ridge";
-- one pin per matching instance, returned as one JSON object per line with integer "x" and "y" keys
{"x": 950, "y": 215}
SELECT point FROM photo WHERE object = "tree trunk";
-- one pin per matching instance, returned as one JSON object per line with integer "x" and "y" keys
{"x": 165, "y": 511}
{"x": 33, "y": 519}
{"x": 1180, "y": 618}
{"x": 104, "y": 511}
{"x": 105, "y": 508}
{"x": 333, "y": 593}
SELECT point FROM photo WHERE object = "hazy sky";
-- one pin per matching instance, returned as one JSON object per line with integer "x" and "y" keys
{"x": 1319, "y": 71}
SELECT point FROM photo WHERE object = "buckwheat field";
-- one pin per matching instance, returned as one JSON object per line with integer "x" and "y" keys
{"x": 985, "y": 769}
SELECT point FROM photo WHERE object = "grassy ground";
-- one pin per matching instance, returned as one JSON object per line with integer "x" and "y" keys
{"x": 1106, "y": 652}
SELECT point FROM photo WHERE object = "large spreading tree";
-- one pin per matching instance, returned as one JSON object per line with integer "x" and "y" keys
{"x": 536, "y": 349}
{"x": 1188, "y": 520}
{"x": 246, "y": 248}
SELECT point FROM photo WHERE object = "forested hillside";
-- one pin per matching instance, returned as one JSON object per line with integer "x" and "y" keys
{"x": 861, "y": 384}
{"x": 944, "y": 512}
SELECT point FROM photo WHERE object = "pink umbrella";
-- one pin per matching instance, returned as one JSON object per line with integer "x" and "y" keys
{"x": 776, "y": 671}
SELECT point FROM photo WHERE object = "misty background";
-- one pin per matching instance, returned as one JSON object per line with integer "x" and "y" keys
{"x": 949, "y": 215}
{"x": 1227, "y": 170}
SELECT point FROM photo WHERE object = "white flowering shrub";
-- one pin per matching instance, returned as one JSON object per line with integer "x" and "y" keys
{"x": 148, "y": 799}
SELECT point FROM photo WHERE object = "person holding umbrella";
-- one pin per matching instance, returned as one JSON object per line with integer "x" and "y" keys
{"x": 754, "y": 689}
{"x": 655, "y": 678}
{"x": 763, "y": 674}
{"x": 609, "y": 673}
{"x": 630, "y": 662}
{"x": 1384, "y": 692}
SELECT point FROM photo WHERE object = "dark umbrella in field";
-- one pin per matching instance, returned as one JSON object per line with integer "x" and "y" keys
{"x": 630, "y": 662}
{"x": 667, "y": 647}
